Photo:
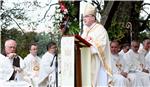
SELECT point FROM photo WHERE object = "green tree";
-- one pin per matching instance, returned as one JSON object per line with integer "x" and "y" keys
{"x": 66, "y": 18}
{"x": 43, "y": 39}
{"x": 120, "y": 15}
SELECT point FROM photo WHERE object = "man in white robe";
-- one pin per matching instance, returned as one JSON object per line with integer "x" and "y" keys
{"x": 13, "y": 63}
{"x": 135, "y": 67}
{"x": 32, "y": 64}
{"x": 147, "y": 59}
{"x": 119, "y": 78}
{"x": 96, "y": 34}
{"x": 143, "y": 51}
{"x": 47, "y": 74}
{"x": 125, "y": 49}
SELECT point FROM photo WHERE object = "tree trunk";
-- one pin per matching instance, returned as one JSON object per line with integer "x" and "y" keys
{"x": 123, "y": 12}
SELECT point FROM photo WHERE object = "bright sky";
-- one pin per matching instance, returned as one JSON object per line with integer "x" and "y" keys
{"x": 147, "y": 9}
{"x": 35, "y": 14}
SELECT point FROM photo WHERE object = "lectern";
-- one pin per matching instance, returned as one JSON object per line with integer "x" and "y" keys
{"x": 75, "y": 62}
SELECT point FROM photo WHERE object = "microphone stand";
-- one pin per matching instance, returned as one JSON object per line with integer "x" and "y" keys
{"x": 81, "y": 31}
{"x": 56, "y": 70}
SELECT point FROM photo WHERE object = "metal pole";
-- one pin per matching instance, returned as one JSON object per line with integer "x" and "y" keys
{"x": 56, "y": 71}
{"x": 81, "y": 31}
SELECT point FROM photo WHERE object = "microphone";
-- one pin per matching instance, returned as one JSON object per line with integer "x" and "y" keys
{"x": 53, "y": 60}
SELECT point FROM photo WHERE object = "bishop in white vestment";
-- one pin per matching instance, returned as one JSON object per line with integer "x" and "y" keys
{"x": 96, "y": 34}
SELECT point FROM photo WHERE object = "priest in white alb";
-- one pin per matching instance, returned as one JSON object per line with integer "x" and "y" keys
{"x": 143, "y": 51}
{"x": 119, "y": 78}
{"x": 147, "y": 59}
{"x": 137, "y": 73}
{"x": 125, "y": 49}
{"x": 32, "y": 64}
{"x": 11, "y": 66}
{"x": 47, "y": 73}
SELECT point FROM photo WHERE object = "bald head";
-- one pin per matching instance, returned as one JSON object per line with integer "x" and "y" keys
{"x": 135, "y": 46}
{"x": 146, "y": 43}
{"x": 10, "y": 46}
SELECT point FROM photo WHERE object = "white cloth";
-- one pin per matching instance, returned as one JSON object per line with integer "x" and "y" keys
{"x": 147, "y": 60}
{"x": 136, "y": 76}
{"x": 102, "y": 79}
{"x": 2, "y": 56}
{"x": 6, "y": 68}
{"x": 143, "y": 53}
{"x": 133, "y": 61}
{"x": 46, "y": 69}
{"x": 14, "y": 84}
{"x": 121, "y": 53}
{"x": 100, "y": 50}
{"x": 32, "y": 66}
{"x": 21, "y": 76}
{"x": 118, "y": 66}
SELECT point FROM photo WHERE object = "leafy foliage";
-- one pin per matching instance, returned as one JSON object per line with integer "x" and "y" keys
{"x": 11, "y": 16}
{"x": 43, "y": 39}
{"x": 116, "y": 31}
{"x": 142, "y": 35}
{"x": 66, "y": 19}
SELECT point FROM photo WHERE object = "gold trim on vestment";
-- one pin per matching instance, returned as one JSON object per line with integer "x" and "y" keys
{"x": 103, "y": 59}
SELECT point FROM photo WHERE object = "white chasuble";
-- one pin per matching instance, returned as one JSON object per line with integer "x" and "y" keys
{"x": 100, "y": 50}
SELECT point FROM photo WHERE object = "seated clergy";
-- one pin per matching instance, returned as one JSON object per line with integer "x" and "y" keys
{"x": 119, "y": 78}
{"x": 12, "y": 65}
{"x": 125, "y": 49}
{"x": 143, "y": 51}
{"x": 32, "y": 63}
{"x": 135, "y": 67}
{"x": 147, "y": 59}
